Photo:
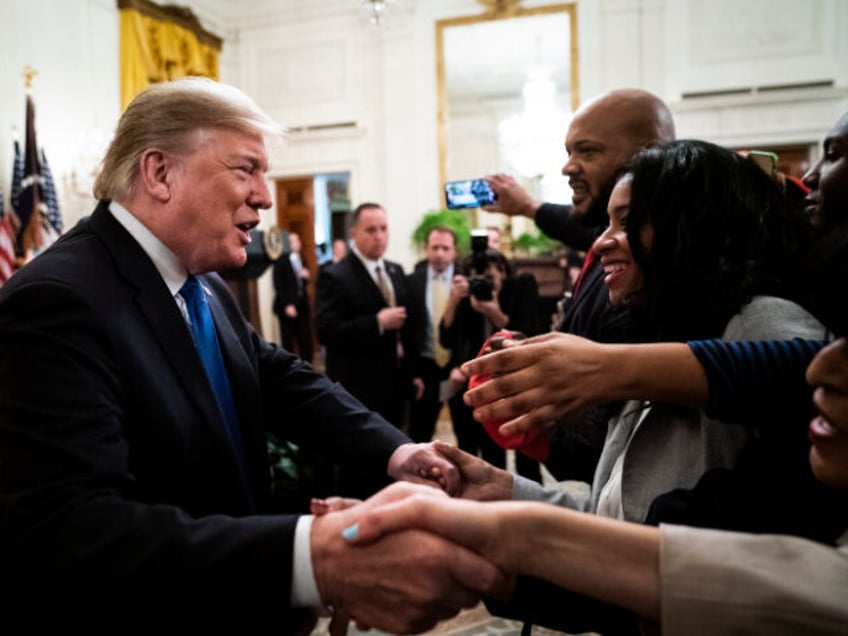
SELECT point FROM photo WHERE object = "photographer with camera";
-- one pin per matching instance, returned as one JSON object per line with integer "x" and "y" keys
{"x": 489, "y": 299}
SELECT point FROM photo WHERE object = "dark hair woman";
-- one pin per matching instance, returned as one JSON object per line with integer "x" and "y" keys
{"x": 720, "y": 231}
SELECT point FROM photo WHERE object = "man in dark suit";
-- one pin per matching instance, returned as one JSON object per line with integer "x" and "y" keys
{"x": 133, "y": 494}
{"x": 291, "y": 301}
{"x": 429, "y": 287}
{"x": 360, "y": 318}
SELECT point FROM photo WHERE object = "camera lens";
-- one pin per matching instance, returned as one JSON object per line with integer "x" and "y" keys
{"x": 480, "y": 287}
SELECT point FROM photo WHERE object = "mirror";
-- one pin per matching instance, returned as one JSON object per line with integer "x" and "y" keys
{"x": 507, "y": 81}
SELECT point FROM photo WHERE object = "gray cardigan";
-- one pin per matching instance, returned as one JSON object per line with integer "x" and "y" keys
{"x": 673, "y": 447}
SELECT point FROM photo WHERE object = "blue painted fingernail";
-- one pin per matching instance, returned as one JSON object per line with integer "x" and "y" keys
{"x": 351, "y": 532}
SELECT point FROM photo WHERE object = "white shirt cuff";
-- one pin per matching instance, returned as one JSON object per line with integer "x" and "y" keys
{"x": 304, "y": 589}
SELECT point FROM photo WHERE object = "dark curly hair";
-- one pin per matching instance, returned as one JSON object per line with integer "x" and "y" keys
{"x": 723, "y": 231}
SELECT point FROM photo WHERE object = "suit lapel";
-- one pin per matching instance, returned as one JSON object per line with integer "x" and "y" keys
{"x": 396, "y": 274}
{"x": 164, "y": 318}
{"x": 242, "y": 375}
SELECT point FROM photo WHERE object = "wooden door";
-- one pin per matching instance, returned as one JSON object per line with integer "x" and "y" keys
{"x": 296, "y": 213}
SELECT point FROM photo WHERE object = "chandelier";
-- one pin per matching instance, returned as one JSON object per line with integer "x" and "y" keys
{"x": 374, "y": 9}
{"x": 532, "y": 140}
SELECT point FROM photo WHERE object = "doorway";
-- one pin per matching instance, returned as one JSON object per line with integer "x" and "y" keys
{"x": 318, "y": 208}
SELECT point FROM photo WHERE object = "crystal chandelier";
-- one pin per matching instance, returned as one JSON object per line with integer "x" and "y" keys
{"x": 532, "y": 140}
{"x": 374, "y": 9}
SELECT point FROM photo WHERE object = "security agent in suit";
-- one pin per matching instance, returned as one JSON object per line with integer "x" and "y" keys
{"x": 124, "y": 506}
{"x": 291, "y": 301}
{"x": 431, "y": 363}
{"x": 364, "y": 329}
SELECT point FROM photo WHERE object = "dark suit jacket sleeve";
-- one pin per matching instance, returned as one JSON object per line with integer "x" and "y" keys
{"x": 321, "y": 415}
{"x": 306, "y": 407}
{"x": 560, "y": 223}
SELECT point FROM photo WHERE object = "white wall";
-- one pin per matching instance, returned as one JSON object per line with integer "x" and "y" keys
{"x": 316, "y": 63}
{"x": 386, "y": 80}
{"x": 73, "y": 44}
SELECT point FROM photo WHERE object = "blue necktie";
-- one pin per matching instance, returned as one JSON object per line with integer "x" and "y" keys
{"x": 206, "y": 341}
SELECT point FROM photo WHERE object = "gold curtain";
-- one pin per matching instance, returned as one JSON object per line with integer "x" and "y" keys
{"x": 160, "y": 43}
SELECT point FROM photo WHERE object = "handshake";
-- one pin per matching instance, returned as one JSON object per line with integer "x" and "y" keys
{"x": 413, "y": 555}
{"x": 400, "y": 561}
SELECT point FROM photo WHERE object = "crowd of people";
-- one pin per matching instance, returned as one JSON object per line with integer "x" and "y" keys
{"x": 698, "y": 382}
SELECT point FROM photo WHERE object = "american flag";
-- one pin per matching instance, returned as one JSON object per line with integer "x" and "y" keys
{"x": 17, "y": 177}
{"x": 36, "y": 231}
{"x": 54, "y": 217}
{"x": 7, "y": 244}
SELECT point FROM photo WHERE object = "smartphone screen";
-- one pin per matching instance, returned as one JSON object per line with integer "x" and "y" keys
{"x": 470, "y": 193}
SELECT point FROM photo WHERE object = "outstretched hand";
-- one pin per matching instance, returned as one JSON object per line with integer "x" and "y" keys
{"x": 423, "y": 464}
{"x": 537, "y": 380}
{"x": 478, "y": 478}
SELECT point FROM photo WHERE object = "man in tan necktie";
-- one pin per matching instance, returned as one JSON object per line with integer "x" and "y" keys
{"x": 361, "y": 318}
{"x": 439, "y": 297}
{"x": 387, "y": 292}
{"x": 429, "y": 286}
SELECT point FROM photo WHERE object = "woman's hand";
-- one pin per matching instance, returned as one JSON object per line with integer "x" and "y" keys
{"x": 537, "y": 380}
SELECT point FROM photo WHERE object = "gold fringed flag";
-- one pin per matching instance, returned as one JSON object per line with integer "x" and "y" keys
{"x": 36, "y": 232}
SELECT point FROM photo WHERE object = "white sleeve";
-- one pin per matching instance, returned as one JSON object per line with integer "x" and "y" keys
{"x": 304, "y": 589}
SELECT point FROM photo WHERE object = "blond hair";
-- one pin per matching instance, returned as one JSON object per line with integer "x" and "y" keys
{"x": 167, "y": 116}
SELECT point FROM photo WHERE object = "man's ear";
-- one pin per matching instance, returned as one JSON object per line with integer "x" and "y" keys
{"x": 155, "y": 168}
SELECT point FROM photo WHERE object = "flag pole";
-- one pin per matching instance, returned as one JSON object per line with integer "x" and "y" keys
{"x": 31, "y": 232}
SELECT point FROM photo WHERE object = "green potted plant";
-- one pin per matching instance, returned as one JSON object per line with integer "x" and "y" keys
{"x": 535, "y": 244}
{"x": 457, "y": 220}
